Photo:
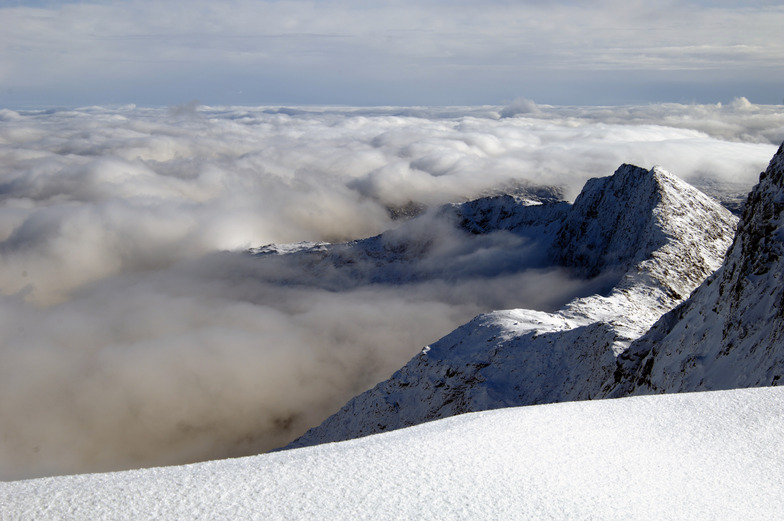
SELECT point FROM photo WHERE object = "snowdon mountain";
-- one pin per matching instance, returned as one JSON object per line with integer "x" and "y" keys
{"x": 730, "y": 333}
{"x": 647, "y": 239}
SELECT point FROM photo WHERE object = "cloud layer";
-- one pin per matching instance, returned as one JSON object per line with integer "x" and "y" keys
{"x": 135, "y": 332}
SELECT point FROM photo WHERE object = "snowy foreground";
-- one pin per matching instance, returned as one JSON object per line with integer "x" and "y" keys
{"x": 711, "y": 455}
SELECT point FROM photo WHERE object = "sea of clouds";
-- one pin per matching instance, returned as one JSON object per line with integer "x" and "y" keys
{"x": 135, "y": 332}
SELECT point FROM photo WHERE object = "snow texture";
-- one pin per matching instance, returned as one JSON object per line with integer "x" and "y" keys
{"x": 730, "y": 333}
{"x": 654, "y": 237}
{"x": 713, "y": 455}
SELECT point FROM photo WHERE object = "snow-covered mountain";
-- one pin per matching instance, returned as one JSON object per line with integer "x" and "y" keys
{"x": 650, "y": 238}
{"x": 688, "y": 456}
{"x": 730, "y": 333}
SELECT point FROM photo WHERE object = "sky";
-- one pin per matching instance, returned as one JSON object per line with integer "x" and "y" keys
{"x": 405, "y": 52}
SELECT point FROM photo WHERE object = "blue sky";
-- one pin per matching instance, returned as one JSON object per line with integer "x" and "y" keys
{"x": 401, "y": 52}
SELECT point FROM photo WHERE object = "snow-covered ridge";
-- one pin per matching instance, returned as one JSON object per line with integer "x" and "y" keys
{"x": 730, "y": 333}
{"x": 650, "y": 236}
{"x": 697, "y": 456}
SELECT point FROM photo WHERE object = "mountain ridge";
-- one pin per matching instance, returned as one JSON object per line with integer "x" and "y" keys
{"x": 657, "y": 253}
{"x": 437, "y": 244}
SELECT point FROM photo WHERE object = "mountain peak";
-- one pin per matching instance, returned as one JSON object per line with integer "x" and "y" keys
{"x": 775, "y": 172}
{"x": 730, "y": 333}
{"x": 598, "y": 230}
{"x": 622, "y": 220}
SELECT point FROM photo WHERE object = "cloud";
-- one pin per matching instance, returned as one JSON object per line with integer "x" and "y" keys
{"x": 134, "y": 331}
{"x": 519, "y": 106}
{"x": 155, "y": 52}
{"x": 212, "y": 357}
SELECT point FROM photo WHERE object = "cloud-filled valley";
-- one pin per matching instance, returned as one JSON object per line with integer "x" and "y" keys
{"x": 136, "y": 328}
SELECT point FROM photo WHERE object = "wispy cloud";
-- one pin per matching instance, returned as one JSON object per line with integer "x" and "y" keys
{"x": 413, "y": 46}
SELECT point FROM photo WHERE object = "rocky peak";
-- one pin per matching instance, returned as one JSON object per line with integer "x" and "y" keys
{"x": 730, "y": 333}
{"x": 603, "y": 227}
{"x": 522, "y": 215}
{"x": 623, "y": 219}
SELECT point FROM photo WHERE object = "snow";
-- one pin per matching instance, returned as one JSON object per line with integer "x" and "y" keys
{"x": 284, "y": 249}
{"x": 712, "y": 455}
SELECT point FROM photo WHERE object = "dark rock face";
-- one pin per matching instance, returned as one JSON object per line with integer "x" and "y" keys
{"x": 605, "y": 225}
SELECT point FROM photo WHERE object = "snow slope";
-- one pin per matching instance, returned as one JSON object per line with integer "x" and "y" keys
{"x": 730, "y": 333}
{"x": 650, "y": 233}
{"x": 713, "y": 455}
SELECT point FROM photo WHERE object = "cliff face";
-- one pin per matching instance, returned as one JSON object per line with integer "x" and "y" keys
{"x": 651, "y": 234}
{"x": 730, "y": 333}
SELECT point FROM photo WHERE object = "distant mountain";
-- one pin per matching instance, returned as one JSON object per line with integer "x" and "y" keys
{"x": 651, "y": 237}
{"x": 483, "y": 238}
{"x": 730, "y": 333}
